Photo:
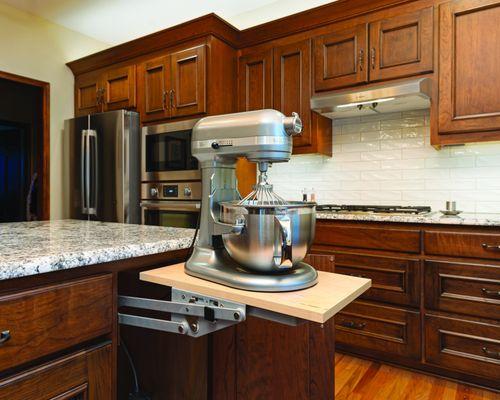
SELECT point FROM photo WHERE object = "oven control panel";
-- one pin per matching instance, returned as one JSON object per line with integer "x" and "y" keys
{"x": 171, "y": 190}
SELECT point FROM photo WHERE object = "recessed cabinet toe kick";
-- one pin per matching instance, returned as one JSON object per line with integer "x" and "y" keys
{"x": 200, "y": 307}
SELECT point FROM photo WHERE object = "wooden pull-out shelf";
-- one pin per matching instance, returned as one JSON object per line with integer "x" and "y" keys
{"x": 318, "y": 303}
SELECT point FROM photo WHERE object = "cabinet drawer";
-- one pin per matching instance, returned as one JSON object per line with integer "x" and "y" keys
{"x": 53, "y": 318}
{"x": 381, "y": 329}
{"x": 82, "y": 375}
{"x": 466, "y": 346}
{"x": 394, "y": 280}
{"x": 472, "y": 289}
{"x": 457, "y": 244}
{"x": 377, "y": 238}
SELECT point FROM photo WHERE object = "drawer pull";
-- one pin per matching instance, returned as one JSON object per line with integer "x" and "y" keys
{"x": 353, "y": 325}
{"x": 488, "y": 292}
{"x": 491, "y": 353}
{"x": 4, "y": 337}
{"x": 358, "y": 275}
{"x": 487, "y": 246}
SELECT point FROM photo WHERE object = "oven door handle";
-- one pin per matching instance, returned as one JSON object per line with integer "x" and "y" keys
{"x": 170, "y": 206}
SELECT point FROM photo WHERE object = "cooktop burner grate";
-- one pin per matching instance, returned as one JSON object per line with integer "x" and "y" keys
{"x": 374, "y": 209}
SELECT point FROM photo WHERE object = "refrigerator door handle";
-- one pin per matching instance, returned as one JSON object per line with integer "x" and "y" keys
{"x": 92, "y": 171}
{"x": 83, "y": 172}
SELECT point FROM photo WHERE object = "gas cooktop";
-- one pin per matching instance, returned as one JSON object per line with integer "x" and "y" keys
{"x": 373, "y": 209}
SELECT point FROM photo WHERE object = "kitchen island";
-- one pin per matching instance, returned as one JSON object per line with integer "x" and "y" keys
{"x": 59, "y": 288}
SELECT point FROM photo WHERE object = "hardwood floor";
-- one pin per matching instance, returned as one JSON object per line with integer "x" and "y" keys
{"x": 358, "y": 379}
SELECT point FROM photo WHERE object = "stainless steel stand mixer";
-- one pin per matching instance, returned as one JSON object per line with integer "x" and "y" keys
{"x": 256, "y": 243}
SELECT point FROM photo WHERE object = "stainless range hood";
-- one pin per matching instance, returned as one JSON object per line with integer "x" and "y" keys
{"x": 396, "y": 96}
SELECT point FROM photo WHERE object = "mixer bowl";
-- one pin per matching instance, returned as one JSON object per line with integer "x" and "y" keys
{"x": 274, "y": 239}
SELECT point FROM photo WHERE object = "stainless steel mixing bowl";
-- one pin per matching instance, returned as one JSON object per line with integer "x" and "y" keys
{"x": 274, "y": 238}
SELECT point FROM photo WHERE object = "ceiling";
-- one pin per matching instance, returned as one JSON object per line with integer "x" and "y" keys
{"x": 117, "y": 21}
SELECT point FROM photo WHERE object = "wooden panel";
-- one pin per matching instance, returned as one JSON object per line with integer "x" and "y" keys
{"x": 469, "y": 81}
{"x": 458, "y": 244}
{"x": 472, "y": 289}
{"x": 340, "y": 59}
{"x": 466, "y": 346}
{"x": 292, "y": 85}
{"x": 189, "y": 80}
{"x": 401, "y": 45}
{"x": 394, "y": 280}
{"x": 318, "y": 303}
{"x": 255, "y": 90}
{"x": 43, "y": 321}
{"x": 364, "y": 237}
{"x": 119, "y": 88}
{"x": 86, "y": 373}
{"x": 87, "y": 96}
{"x": 153, "y": 80}
{"x": 381, "y": 329}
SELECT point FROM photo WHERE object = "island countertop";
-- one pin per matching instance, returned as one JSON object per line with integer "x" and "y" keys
{"x": 30, "y": 248}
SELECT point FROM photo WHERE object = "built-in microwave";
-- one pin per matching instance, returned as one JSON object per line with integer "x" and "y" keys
{"x": 166, "y": 152}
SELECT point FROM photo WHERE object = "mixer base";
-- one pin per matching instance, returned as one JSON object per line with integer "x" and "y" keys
{"x": 217, "y": 266}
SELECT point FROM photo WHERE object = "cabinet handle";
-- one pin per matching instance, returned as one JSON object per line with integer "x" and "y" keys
{"x": 353, "y": 325}
{"x": 487, "y": 246}
{"x": 358, "y": 275}
{"x": 4, "y": 337}
{"x": 172, "y": 94}
{"x": 491, "y": 353}
{"x": 372, "y": 55}
{"x": 164, "y": 100}
{"x": 493, "y": 293}
{"x": 361, "y": 59}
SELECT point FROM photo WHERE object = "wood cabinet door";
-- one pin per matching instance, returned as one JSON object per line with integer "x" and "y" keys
{"x": 119, "y": 87}
{"x": 153, "y": 81}
{"x": 84, "y": 375}
{"x": 255, "y": 90}
{"x": 469, "y": 73}
{"x": 292, "y": 85}
{"x": 402, "y": 45}
{"x": 188, "y": 82}
{"x": 340, "y": 59}
{"x": 87, "y": 95}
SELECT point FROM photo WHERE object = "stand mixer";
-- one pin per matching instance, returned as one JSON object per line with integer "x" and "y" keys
{"x": 256, "y": 243}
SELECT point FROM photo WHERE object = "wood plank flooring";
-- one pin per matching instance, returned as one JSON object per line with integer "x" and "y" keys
{"x": 358, "y": 379}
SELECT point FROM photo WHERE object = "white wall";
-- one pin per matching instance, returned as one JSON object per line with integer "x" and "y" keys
{"x": 387, "y": 159}
{"x": 33, "y": 47}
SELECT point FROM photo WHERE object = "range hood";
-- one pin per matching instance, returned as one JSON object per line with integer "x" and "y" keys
{"x": 392, "y": 97}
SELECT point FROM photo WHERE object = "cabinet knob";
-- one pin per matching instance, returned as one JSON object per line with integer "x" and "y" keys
{"x": 353, "y": 325}
{"x": 4, "y": 336}
{"x": 491, "y": 353}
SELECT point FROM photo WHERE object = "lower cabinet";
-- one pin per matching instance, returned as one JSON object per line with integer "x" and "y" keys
{"x": 464, "y": 345}
{"x": 379, "y": 329}
{"x": 84, "y": 375}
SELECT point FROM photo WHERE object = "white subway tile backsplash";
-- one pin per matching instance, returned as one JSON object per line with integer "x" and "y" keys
{"x": 387, "y": 158}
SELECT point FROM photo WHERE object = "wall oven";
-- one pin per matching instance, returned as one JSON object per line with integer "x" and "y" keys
{"x": 166, "y": 152}
{"x": 173, "y": 204}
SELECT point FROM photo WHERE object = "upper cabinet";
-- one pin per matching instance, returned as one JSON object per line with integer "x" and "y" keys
{"x": 105, "y": 90}
{"x": 340, "y": 58}
{"x": 255, "y": 81}
{"x": 469, "y": 71}
{"x": 173, "y": 85}
{"x": 281, "y": 78}
{"x": 389, "y": 48}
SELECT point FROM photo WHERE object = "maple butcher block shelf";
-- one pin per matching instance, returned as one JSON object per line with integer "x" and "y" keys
{"x": 318, "y": 303}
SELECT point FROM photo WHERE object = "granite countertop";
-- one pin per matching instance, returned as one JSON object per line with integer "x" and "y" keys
{"x": 434, "y": 217}
{"x": 30, "y": 248}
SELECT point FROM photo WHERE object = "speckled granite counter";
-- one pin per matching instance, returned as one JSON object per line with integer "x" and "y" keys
{"x": 30, "y": 248}
{"x": 434, "y": 217}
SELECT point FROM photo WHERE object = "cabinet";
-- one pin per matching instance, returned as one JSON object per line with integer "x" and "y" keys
{"x": 389, "y": 48}
{"x": 84, "y": 375}
{"x": 173, "y": 85}
{"x": 469, "y": 79}
{"x": 280, "y": 78}
{"x": 110, "y": 89}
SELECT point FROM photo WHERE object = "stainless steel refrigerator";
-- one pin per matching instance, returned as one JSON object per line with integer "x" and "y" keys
{"x": 104, "y": 164}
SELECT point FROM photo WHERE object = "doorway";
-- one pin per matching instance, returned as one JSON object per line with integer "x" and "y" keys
{"x": 24, "y": 149}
